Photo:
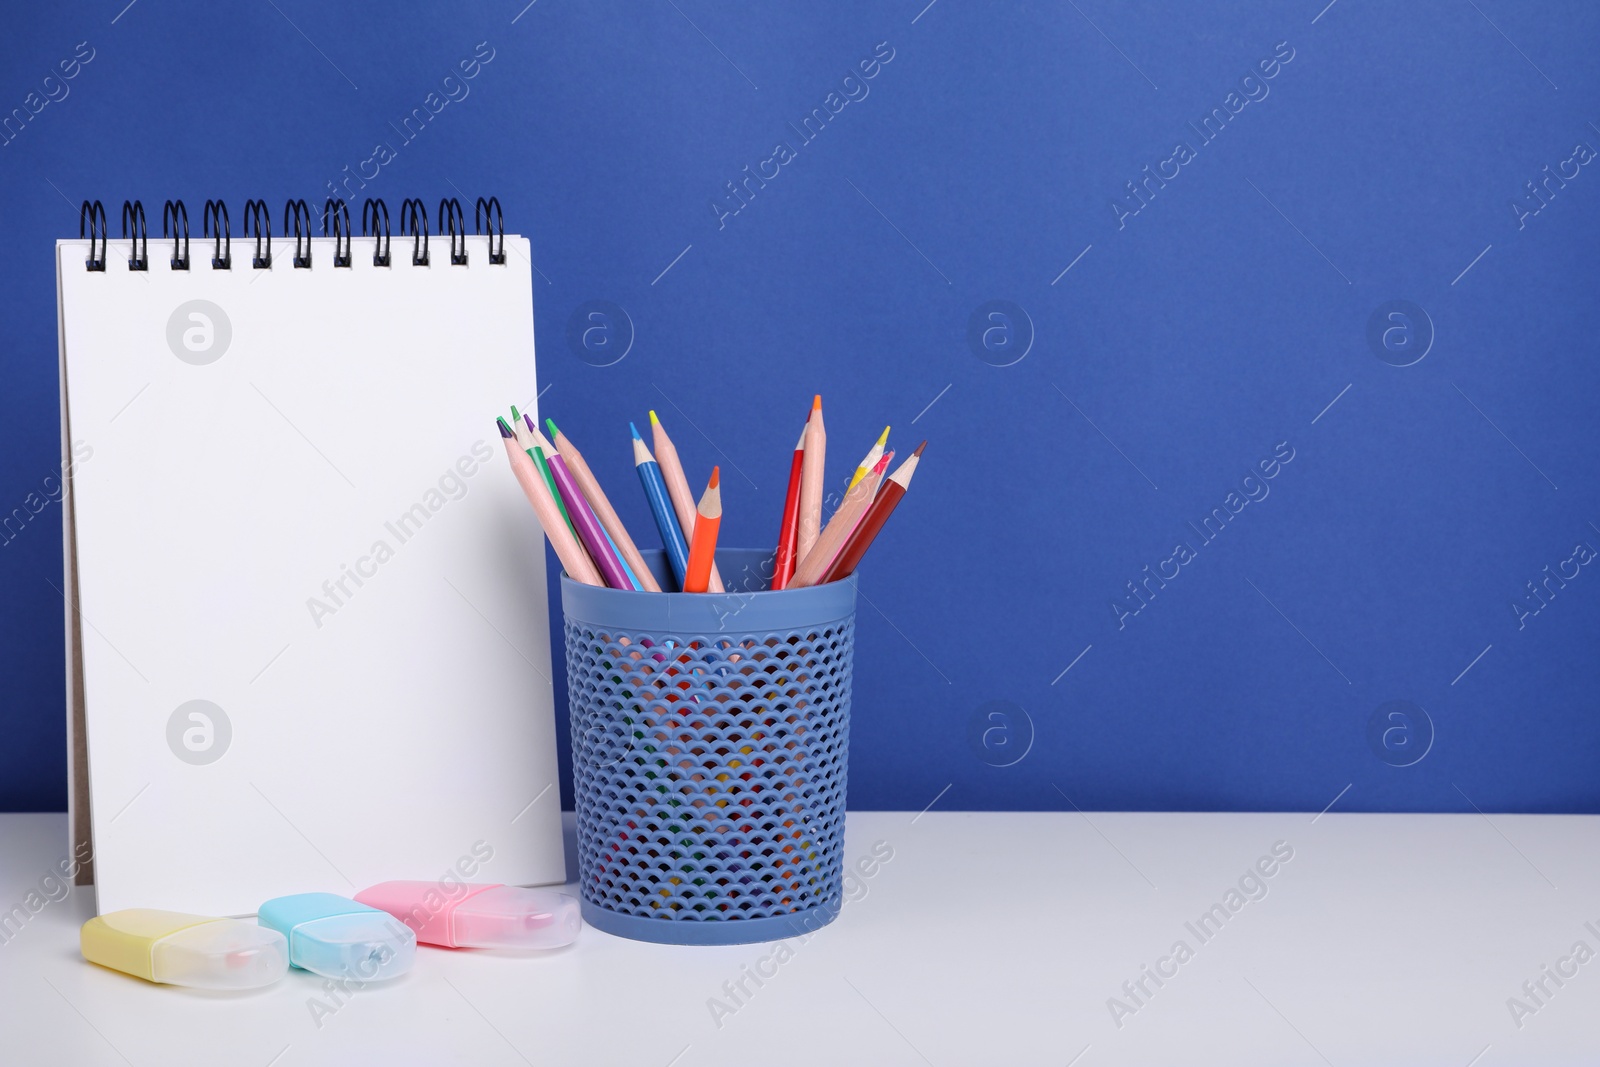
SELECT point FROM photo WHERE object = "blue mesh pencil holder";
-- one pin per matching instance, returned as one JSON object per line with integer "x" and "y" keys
{"x": 710, "y": 738}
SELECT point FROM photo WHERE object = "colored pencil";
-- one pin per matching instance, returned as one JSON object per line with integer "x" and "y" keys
{"x": 589, "y": 529}
{"x": 531, "y": 447}
{"x": 577, "y": 564}
{"x": 616, "y": 532}
{"x": 868, "y": 529}
{"x": 541, "y": 449}
{"x": 811, "y": 474}
{"x": 544, "y": 465}
{"x": 540, "y": 452}
{"x": 870, "y": 460}
{"x": 678, "y": 488}
{"x": 539, "y": 456}
{"x": 708, "y": 521}
{"x": 655, "y": 490}
{"x": 840, "y": 527}
{"x": 538, "y": 448}
{"x": 789, "y": 535}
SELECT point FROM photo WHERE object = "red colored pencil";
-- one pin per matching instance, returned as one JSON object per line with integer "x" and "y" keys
{"x": 789, "y": 536}
{"x": 708, "y": 520}
{"x": 894, "y": 488}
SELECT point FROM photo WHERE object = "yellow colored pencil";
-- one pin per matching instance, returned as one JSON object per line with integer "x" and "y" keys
{"x": 870, "y": 460}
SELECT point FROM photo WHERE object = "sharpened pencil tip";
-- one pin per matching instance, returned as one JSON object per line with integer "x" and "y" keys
{"x": 920, "y": 447}
{"x": 552, "y": 424}
{"x": 816, "y": 402}
{"x": 883, "y": 437}
{"x": 635, "y": 430}
{"x": 515, "y": 415}
{"x": 716, "y": 477}
{"x": 883, "y": 463}
{"x": 529, "y": 420}
{"x": 653, "y": 420}
{"x": 505, "y": 431}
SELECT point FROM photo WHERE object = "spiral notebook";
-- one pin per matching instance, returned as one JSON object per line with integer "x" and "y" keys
{"x": 308, "y": 646}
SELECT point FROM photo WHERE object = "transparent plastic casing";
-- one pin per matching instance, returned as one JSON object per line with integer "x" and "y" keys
{"x": 479, "y": 915}
{"x": 226, "y": 954}
{"x": 366, "y": 946}
{"x": 511, "y": 917}
{"x": 177, "y": 948}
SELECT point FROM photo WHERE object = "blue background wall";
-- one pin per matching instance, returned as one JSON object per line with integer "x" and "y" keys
{"x": 1186, "y": 344}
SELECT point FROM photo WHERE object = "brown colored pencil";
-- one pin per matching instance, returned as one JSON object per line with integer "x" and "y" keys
{"x": 868, "y": 529}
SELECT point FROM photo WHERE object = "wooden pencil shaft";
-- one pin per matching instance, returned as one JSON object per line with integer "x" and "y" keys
{"x": 811, "y": 474}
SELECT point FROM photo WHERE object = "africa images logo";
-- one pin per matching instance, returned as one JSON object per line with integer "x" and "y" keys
{"x": 199, "y": 332}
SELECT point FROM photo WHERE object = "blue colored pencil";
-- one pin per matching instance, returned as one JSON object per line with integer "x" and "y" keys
{"x": 655, "y": 490}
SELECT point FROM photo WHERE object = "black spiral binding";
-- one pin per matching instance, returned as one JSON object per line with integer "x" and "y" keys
{"x": 410, "y": 210}
{"x": 339, "y": 211}
{"x": 302, "y": 215}
{"x": 139, "y": 253}
{"x": 222, "y": 250}
{"x": 92, "y": 217}
{"x": 487, "y": 218}
{"x": 450, "y": 215}
{"x": 488, "y": 211}
{"x": 257, "y": 210}
{"x": 175, "y": 210}
{"x": 380, "y": 248}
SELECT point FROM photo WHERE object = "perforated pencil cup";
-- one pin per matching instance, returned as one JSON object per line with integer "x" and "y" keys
{"x": 710, "y": 738}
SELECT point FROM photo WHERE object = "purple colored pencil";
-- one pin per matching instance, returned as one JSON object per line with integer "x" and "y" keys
{"x": 588, "y": 526}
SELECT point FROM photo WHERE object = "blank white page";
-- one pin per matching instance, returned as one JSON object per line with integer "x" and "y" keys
{"x": 297, "y": 508}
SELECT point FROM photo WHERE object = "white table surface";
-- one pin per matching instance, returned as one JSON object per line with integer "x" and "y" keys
{"x": 988, "y": 938}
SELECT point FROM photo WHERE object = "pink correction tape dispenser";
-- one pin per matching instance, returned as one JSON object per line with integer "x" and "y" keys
{"x": 478, "y": 915}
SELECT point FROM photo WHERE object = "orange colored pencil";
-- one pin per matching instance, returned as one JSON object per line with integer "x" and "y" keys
{"x": 678, "y": 488}
{"x": 811, "y": 474}
{"x": 840, "y": 527}
{"x": 703, "y": 550}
